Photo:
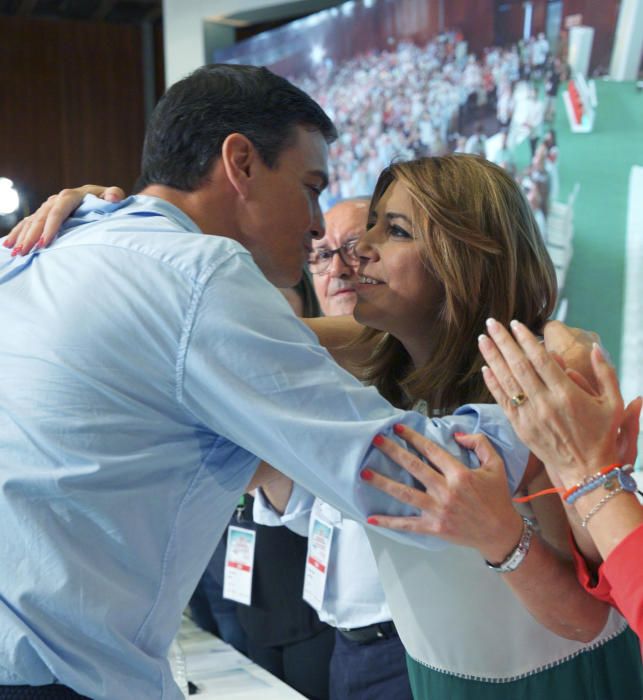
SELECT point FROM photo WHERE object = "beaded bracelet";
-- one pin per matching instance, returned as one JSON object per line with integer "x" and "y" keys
{"x": 620, "y": 476}
{"x": 603, "y": 477}
{"x": 589, "y": 483}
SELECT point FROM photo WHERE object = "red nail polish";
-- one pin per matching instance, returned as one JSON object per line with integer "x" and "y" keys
{"x": 398, "y": 429}
{"x": 6, "y": 243}
{"x": 16, "y": 251}
{"x": 41, "y": 242}
{"x": 372, "y": 520}
{"x": 366, "y": 474}
{"x": 458, "y": 435}
{"x": 378, "y": 441}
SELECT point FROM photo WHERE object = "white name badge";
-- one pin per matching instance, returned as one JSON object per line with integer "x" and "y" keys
{"x": 319, "y": 543}
{"x": 239, "y": 564}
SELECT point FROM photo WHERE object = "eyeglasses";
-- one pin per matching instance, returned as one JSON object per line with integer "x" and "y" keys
{"x": 320, "y": 259}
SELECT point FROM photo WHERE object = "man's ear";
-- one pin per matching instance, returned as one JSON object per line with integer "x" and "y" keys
{"x": 238, "y": 156}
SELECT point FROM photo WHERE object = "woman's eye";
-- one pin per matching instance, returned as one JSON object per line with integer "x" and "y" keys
{"x": 399, "y": 232}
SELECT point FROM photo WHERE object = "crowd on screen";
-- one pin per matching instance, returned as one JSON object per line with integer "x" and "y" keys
{"x": 414, "y": 101}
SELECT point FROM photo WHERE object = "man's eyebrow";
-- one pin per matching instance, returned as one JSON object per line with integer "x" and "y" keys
{"x": 322, "y": 175}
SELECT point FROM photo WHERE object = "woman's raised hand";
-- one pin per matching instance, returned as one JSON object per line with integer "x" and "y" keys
{"x": 41, "y": 227}
{"x": 572, "y": 430}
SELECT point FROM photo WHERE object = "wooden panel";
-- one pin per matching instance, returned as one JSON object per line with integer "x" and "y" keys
{"x": 603, "y": 17}
{"x": 474, "y": 19}
{"x": 72, "y": 106}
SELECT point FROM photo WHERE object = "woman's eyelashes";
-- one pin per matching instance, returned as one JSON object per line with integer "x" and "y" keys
{"x": 396, "y": 231}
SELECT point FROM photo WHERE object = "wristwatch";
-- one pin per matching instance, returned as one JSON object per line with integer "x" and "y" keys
{"x": 517, "y": 556}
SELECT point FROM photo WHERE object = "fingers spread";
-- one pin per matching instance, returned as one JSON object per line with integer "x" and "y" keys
{"x": 439, "y": 458}
{"x": 400, "y": 492}
{"x": 407, "y": 460}
{"x": 483, "y": 449}
{"x": 407, "y": 524}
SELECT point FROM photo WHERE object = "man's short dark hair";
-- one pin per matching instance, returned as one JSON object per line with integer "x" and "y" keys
{"x": 192, "y": 120}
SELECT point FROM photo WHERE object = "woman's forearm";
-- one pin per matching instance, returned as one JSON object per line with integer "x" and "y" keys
{"x": 547, "y": 586}
{"x": 338, "y": 335}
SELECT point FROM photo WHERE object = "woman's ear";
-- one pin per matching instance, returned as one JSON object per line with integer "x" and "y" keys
{"x": 238, "y": 156}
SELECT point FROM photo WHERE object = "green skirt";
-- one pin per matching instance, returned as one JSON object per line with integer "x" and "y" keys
{"x": 613, "y": 671}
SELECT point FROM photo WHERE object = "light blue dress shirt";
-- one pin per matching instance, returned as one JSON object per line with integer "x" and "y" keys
{"x": 142, "y": 365}
{"x": 353, "y": 595}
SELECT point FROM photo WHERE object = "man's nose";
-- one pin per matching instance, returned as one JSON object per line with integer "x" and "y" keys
{"x": 338, "y": 268}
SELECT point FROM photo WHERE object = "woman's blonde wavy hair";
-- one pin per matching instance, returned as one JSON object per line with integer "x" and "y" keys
{"x": 479, "y": 238}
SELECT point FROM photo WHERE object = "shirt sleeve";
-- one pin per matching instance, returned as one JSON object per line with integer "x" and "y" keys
{"x": 595, "y": 584}
{"x": 619, "y": 580}
{"x": 253, "y": 374}
{"x": 296, "y": 516}
{"x": 624, "y": 572}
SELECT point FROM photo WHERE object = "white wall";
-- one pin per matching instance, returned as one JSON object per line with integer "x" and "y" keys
{"x": 183, "y": 30}
{"x": 628, "y": 42}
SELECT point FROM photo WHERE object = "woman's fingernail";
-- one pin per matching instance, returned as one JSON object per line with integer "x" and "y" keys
{"x": 16, "y": 251}
{"x": 599, "y": 351}
{"x": 41, "y": 242}
{"x": 514, "y": 324}
{"x": 378, "y": 441}
{"x": 491, "y": 323}
{"x": 459, "y": 435}
{"x": 372, "y": 520}
{"x": 602, "y": 353}
{"x": 398, "y": 429}
{"x": 366, "y": 474}
{"x": 6, "y": 243}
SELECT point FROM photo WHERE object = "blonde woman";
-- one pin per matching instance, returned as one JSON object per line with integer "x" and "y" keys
{"x": 451, "y": 242}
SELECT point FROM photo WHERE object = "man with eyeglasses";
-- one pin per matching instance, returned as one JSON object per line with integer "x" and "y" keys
{"x": 333, "y": 261}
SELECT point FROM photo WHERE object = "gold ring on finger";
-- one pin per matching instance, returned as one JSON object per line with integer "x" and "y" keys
{"x": 518, "y": 399}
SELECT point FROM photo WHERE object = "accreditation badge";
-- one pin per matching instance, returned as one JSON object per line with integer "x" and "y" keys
{"x": 319, "y": 542}
{"x": 239, "y": 564}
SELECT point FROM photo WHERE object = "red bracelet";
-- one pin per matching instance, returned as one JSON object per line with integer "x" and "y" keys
{"x": 544, "y": 492}
{"x": 569, "y": 492}
{"x": 605, "y": 470}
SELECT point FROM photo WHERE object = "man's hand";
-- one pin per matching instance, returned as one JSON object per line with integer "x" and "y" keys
{"x": 41, "y": 227}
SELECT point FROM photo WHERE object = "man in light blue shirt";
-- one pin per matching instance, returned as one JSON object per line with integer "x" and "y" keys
{"x": 143, "y": 365}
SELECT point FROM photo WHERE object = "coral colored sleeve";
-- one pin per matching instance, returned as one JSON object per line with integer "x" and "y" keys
{"x": 620, "y": 578}
{"x": 624, "y": 571}
{"x": 595, "y": 584}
